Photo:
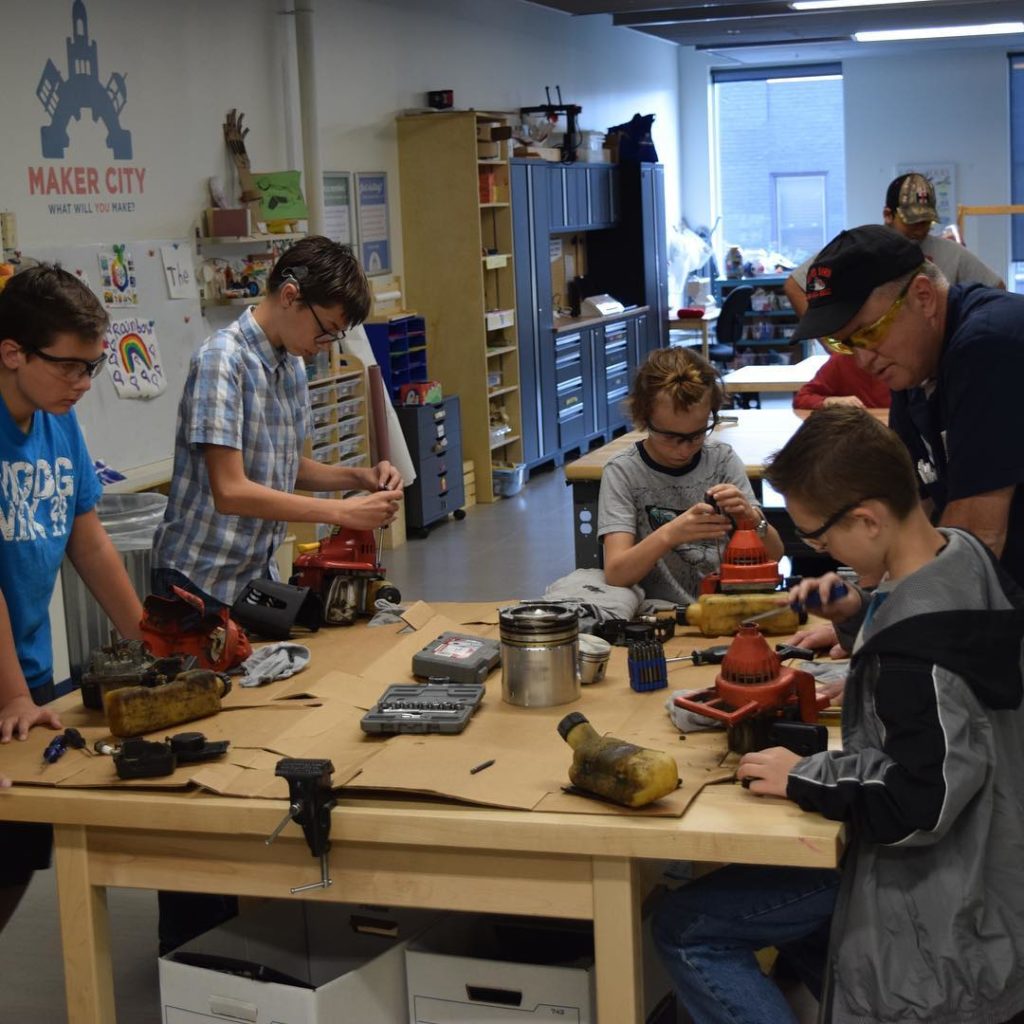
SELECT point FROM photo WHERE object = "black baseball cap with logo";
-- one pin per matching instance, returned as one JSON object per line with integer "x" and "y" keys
{"x": 847, "y": 271}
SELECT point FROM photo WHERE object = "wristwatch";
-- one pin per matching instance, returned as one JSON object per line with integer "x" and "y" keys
{"x": 762, "y": 527}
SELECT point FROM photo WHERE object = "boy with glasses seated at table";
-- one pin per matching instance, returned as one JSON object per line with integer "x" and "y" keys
{"x": 51, "y": 346}
{"x": 925, "y": 919}
{"x": 242, "y": 421}
{"x": 657, "y": 528}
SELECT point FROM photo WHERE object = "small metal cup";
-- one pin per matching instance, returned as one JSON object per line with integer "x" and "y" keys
{"x": 593, "y": 659}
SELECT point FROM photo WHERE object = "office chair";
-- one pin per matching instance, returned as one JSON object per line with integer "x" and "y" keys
{"x": 729, "y": 326}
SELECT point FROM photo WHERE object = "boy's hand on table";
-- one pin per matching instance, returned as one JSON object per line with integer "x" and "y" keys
{"x": 768, "y": 770}
{"x": 369, "y": 511}
{"x": 818, "y": 637}
{"x": 19, "y": 715}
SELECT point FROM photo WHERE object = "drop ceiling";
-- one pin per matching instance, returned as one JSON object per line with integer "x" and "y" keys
{"x": 770, "y": 31}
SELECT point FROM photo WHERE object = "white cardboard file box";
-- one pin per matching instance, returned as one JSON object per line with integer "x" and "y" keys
{"x": 347, "y": 962}
{"x": 475, "y": 969}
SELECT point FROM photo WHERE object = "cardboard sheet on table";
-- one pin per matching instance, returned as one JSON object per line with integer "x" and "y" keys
{"x": 532, "y": 760}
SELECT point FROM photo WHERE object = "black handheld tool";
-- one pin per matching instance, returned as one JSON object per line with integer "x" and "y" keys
{"x": 311, "y": 802}
{"x": 785, "y": 651}
{"x": 58, "y": 746}
{"x": 708, "y": 656}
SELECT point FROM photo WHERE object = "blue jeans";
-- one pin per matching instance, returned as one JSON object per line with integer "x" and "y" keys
{"x": 707, "y": 932}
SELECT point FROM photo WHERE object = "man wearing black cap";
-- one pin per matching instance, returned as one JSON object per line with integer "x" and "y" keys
{"x": 954, "y": 357}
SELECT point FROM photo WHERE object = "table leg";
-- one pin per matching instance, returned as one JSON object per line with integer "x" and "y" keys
{"x": 584, "y": 523}
{"x": 618, "y": 948}
{"x": 85, "y": 931}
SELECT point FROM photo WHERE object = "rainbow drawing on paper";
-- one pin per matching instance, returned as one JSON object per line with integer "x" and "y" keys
{"x": 134, "y": 353}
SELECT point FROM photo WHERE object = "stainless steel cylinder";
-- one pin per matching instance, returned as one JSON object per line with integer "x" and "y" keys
{"x": 539, "y": 651}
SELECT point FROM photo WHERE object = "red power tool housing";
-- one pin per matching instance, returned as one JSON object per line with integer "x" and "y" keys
{"x": 752, "y": 691}
{"x": 345, "y": 572}
{"x": 745, "y": 565}
{"x": 182, "y": 625}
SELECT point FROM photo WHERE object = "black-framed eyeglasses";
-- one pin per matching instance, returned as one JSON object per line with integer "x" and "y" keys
{"x": 678, "y": 438}
{"x": 812, "y": 537}
{"x": 68, "y": 367}
{"x": 325, "y": 337}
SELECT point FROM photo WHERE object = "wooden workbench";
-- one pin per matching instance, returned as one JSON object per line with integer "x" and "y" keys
{"x": 401, "y": 852}
{"x": 755, "y": 435}
{"x": 775, "y": 377}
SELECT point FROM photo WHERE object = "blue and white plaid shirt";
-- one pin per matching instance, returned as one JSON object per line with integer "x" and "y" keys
{"x": 240, "y": 393}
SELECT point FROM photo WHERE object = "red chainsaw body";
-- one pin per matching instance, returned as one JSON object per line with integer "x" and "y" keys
{"x": 182, "y": 625}
{"x": 345, "y": 572}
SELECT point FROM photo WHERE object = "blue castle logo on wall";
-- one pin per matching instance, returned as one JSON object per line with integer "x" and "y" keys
{"x": 66, "y": 99}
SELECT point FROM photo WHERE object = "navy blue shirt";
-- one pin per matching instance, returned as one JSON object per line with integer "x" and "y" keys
{"x": 967, "y": 436}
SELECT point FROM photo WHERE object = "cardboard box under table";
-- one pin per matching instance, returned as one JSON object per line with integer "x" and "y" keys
{"x": 294, "y": 963}
{"x": 486, "y": 969}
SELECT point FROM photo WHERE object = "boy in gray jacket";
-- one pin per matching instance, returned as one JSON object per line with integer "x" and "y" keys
{"x": 925, "y": 919}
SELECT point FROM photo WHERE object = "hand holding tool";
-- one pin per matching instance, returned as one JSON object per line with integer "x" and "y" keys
{"x": 838, "y": 591}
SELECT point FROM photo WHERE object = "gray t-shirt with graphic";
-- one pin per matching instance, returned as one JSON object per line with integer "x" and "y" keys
{"x": 637, "y": 496}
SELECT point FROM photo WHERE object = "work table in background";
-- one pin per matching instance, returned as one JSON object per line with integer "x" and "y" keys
{"x": 405, "y": 849}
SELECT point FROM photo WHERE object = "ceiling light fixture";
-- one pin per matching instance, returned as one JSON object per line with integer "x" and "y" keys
{"x": 829, "y": 5}
{"x": 804, "y": 78}
{"x": 944, "y": 32}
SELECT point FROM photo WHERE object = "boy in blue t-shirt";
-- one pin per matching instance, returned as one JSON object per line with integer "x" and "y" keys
{"x": 51, "y": 346}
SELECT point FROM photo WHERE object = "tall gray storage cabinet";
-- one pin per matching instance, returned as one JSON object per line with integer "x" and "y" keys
{"x": 434, "y": 436}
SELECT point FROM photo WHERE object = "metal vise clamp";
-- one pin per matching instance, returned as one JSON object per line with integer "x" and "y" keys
{"x": 311, "y": 802}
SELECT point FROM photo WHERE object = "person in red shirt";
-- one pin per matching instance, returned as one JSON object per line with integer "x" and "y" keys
{"x": 840, "y": 381}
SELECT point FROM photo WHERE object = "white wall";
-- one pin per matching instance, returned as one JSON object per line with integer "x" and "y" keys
{"x": 936, "y": 108}
{"x": 187, "y": 63}
{"x": 940, "y": 107}
{"x": 376, "y": 58}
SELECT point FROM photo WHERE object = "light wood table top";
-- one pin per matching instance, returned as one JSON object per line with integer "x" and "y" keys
{"x": 776, "y": 377}
{"x": 405, "y": 851}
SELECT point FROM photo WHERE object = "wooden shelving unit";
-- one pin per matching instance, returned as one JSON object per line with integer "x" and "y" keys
{"x": 448, "y": 233}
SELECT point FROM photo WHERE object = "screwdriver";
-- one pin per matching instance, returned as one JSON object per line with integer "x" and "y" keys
{"x": 708, "y": 656}
{"x": 838, "y": 591}
{"x": 58, "y": 746}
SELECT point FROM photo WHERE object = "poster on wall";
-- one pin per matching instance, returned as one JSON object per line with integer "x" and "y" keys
{"x": 943, "y": 178}
{"x": 372, "y": 217}
{"x": 133, "y": 358}
{"x": 117, "y": 276}
{"x": 339, "y": 225}
{"x": 179, "y": 272}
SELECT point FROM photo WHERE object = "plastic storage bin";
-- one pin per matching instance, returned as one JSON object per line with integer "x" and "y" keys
{"x": 131, "y": 520}
{"x": 508, "y": 480}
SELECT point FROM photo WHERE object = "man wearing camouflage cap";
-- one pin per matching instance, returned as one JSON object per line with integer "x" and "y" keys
{"x": 954, "y": 357}
{"x": 910, "y": 210}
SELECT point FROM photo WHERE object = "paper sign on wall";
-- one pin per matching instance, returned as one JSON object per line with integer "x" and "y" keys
{"x": 117, "y": 277}
{"x": 179, "y": 273}
{"x": 133, "y": 358}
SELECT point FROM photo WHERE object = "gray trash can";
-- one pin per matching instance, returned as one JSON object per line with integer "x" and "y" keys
{"x": 131, "y": 520}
